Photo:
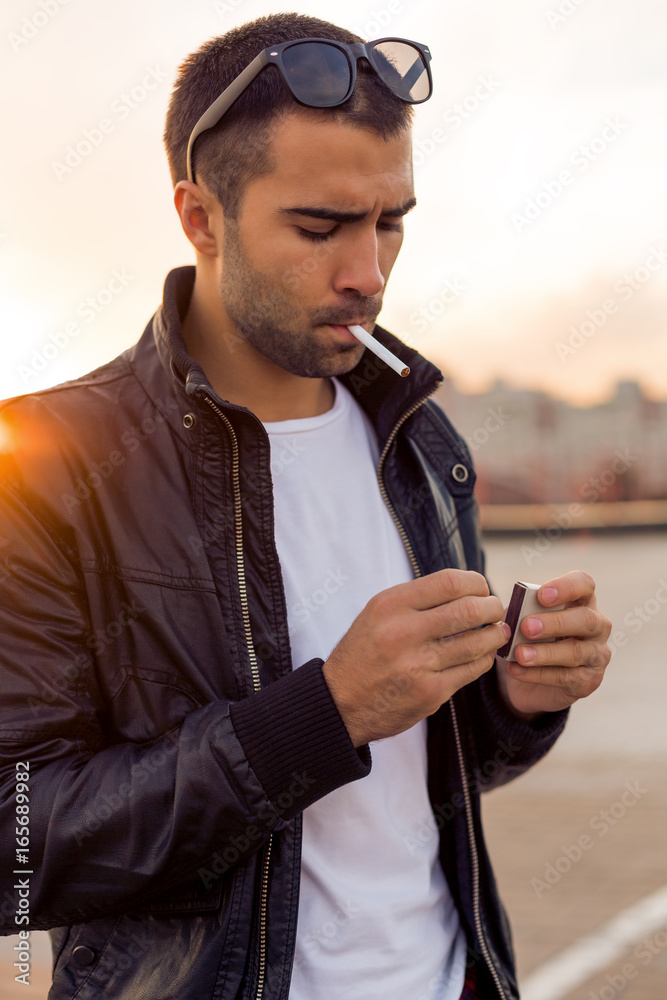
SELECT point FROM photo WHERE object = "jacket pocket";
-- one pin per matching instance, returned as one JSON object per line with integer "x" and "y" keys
{"x": 190, "y": 896}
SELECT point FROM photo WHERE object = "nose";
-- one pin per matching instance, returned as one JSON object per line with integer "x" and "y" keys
{"x": 359, "y": 268}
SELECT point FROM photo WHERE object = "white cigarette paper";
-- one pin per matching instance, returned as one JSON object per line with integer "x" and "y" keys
{"x": 377, "y": 348}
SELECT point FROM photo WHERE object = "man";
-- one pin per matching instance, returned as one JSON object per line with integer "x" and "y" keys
{"x": 190, "y": 530}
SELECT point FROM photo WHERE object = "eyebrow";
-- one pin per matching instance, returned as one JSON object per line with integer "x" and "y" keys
{"x": 332, "y": 215}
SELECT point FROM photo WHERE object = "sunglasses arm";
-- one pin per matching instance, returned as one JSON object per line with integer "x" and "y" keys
{"x": 214, "y": 113}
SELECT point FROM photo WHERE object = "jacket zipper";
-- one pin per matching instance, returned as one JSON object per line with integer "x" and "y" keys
{"x": 459, "y": 749}
{"x": 383, "y": 491}
{"x": 473, "y": 853}
{"x": 256, "y": 683}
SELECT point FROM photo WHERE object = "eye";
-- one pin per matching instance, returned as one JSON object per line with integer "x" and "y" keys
{"x": 391, "y": 227}
{"x": 315, "y": 237}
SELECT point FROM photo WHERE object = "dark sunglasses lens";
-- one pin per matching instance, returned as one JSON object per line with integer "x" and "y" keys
{"x": 403, "y": 69}
{"x": 318, "y": 74}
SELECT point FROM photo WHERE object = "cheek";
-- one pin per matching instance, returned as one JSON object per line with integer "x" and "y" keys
{"x": 388, "y": 253}
{"x": 312, "y": 265}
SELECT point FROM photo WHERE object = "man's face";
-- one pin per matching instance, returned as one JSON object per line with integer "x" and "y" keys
{"x": 315, "y": 242}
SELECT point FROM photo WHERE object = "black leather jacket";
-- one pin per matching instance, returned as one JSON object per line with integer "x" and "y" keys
{"x": 147, "y": 687}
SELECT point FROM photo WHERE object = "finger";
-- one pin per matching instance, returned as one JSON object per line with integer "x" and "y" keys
{"x": 574, "y": 586}
{"x": 441, "y": 587}
{"x": 460, "y": 615}
{"x": 578, "y": 682}
{"x": 583, "y": 622}
{"x": 571, "y": 652}
{"x": 463, "y": 673}
{"x": 466, "y": 647}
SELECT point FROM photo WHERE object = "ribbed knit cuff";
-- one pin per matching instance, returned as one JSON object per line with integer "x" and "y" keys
{"x": 545, "y": 729}
{"x": 296, "y": 741}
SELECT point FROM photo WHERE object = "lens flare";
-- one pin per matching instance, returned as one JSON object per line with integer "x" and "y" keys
{"x": 6, "y": 440}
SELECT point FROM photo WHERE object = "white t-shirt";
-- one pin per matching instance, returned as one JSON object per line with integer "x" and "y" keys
{"x": 376, "y": 918}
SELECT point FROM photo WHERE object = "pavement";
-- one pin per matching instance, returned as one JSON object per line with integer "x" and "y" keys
{"x": 573, "y": 847}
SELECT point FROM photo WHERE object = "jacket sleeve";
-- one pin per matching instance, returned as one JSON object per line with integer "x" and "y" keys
{"x": 110, "y": 824}
{"x": 499, "y": 745}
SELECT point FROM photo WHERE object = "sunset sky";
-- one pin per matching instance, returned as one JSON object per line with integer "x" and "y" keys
{"x": 537, "y": 252}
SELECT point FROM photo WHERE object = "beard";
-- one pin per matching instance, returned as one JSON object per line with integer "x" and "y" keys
{"x": 268, "y": 317}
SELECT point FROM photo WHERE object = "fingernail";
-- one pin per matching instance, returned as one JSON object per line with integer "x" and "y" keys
{"x": 528, "y": 654}
{"x": 531, "y": 626}
{"x": 517, "y": 669}
{"x": 507, "y": 631}
{"x": 549, "y": 595}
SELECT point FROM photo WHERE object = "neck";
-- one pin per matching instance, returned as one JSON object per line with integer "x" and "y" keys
{"x": 240, "y": 373}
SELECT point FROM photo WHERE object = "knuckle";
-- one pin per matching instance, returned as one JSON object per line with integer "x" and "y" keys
{"x": 375, "y": 605}
{"x": 394, "y": 632}
{"x": 430, "y": 656}
{"x": 467, "y": 612}
{"x": 592, "y": 680}
{"x": 477, "y": 644}
{"x": 599, "y": 660}
{"x": 578, "y": 651}
{"x": 565, "y": 680}
{"x": 591, "y": 621}
{"x": 470, "y": 647}
{"x": 450, "y": 583}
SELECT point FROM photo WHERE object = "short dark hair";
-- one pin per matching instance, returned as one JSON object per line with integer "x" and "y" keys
{"x": 237, "y": 149}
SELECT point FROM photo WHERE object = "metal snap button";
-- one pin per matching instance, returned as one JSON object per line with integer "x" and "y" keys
{"x": 460, "y": 473}
{"x": 82, "y": 955}
{"x": 189, "y": 420}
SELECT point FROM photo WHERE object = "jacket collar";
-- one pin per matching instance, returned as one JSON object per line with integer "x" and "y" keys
{"x": 382, "y": 393}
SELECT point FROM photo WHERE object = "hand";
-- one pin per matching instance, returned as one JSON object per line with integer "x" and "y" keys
{"x": 410, "y": 649}
{"x": 549, "y": 676}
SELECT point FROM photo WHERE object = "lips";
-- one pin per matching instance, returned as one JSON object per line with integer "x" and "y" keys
{"x": 349, "y": 322}
{"x": 343, "y": 332}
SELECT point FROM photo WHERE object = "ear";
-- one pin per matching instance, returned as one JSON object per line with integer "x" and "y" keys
{"x": 195, "y": 208}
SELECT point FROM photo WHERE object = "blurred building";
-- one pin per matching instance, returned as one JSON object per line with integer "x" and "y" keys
{"x": 531, "y": 448}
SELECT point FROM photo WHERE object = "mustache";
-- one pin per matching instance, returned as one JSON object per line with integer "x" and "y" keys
{"x": 364, "y": 309}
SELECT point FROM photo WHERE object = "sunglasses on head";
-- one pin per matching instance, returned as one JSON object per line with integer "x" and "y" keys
{"x": 321, "y": 73}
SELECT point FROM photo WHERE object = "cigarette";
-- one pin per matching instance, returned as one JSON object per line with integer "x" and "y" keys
{"x": 377, "y": 348}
